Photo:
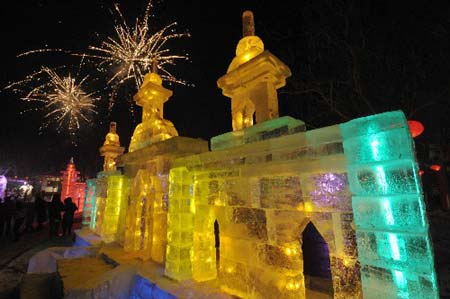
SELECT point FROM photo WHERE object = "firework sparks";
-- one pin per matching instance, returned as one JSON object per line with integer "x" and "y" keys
{"x": 132, "y": 50}
{"x": 65, "y": 103}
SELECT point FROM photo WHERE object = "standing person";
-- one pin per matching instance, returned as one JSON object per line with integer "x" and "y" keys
{"x": 10, "y": 206}
{"x": 69, "y": 211}
{"x": 54, "y": 214}
{"x": 2, "y": 216}
{"x": 19, "y": 218}
{"x": 40, "y": 210}
{"x": 30, "y": 207}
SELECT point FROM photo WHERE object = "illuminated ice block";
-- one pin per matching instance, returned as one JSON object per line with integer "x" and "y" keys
{"x": 111, "y": 207}
{"x": 266, "y": 130}
{"x": 392, "y": 231}
{"x": 89, "y": 202}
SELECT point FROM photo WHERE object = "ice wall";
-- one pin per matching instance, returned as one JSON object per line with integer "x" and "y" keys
{"x": 263, "y": 194}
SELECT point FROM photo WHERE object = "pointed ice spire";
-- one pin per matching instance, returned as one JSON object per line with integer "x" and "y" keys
{"x": 248, "y": 23}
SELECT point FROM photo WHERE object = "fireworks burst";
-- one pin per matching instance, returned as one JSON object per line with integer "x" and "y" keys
{"x": 131, "y": 52}
{"x": 66, "y": 104}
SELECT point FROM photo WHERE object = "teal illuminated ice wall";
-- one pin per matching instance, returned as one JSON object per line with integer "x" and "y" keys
{"x": 89, "y": 202}
{"x": 394, "y": 245}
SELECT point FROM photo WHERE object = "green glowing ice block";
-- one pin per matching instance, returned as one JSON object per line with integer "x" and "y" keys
{"x": 394, "y": 246}
{"x": 89, "y": 202}
{"x": 266, "y": 130}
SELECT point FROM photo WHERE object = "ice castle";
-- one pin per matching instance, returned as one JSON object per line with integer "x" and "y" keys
{"x": 270, "y": 210}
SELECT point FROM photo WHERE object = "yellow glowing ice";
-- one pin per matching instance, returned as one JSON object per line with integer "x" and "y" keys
{"x": 151, "y": 97}
{"x": 112, "y": 208}
{"x": 239, "y": 213}
{"x": 260, "y": 194}
{"x": 111, "y": 148}
{"x": 252, "y": 80}
{"x": 146, "y": 218}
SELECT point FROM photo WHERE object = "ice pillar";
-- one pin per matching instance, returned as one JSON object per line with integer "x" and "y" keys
{"x": 394, "y": 245}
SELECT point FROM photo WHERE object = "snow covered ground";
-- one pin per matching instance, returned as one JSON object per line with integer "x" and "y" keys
{"x": 14, "y": 257}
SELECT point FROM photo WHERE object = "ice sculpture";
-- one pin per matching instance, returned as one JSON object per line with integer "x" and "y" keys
{"x": 71, "y": 186}
{"x": 153, "y": 146}
{"x": 252, "y": 79}
{"x": 152, "y": 96}
{"x": 261, "y": 185}
{"x": 240, "y": 213}
{"x": 96, "y": 189}
{"x": 111, "y": 148}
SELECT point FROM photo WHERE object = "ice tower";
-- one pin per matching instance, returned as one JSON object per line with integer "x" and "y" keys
{"x": 252, "y": 79}
{"x": 110, "y": 190}
{"x": 151, "y": 97}
{"x": 71, "y": 185}
{"x": 111, "y": 148}
{"x": 155, "y": 143}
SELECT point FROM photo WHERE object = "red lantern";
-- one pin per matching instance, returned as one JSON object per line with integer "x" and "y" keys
{"x": 435, "y": 167}
{"x": 415, "y": 127}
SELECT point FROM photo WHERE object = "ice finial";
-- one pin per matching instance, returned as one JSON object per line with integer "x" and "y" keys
{"x": 111, "y": 148}
{"x": 71, "y": 160}
{"x": 153, "y": 75}
{"x": 112, "y": 127}
{"x": 248, "y": 23}
{"x": 155, "y": 66}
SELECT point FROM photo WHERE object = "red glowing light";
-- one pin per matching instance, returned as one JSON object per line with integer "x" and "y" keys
{"x": 415, "y": 127}
{"x": 435, "y": 167}
{"x": 421, "y": 172}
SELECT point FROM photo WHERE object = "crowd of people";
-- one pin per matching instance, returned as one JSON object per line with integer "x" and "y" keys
{"x": 19, "y": 215}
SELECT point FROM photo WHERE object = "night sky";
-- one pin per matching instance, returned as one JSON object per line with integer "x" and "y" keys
{"x": 401, "y": 52}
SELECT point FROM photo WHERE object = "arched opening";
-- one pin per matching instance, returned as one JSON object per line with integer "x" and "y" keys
{"x": 217, "y": 243}
{"x": 316, "y": 264}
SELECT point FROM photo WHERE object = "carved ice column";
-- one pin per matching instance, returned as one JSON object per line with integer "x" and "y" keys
{"x": 111, "y": 148}
{"x": 252, "y": 79}
{"x": 151, "y": 97}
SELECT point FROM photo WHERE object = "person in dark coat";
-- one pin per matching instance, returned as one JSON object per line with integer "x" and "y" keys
{"x": 40, "y": 210}
{"x": 54, "y": 214}
{"x": 69, "y": 211}
{"x": 30, "y": 208}
{"x": 19, "y": 218}
{"x": 2, "y": 216}
{"x": 10, "y": 210}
